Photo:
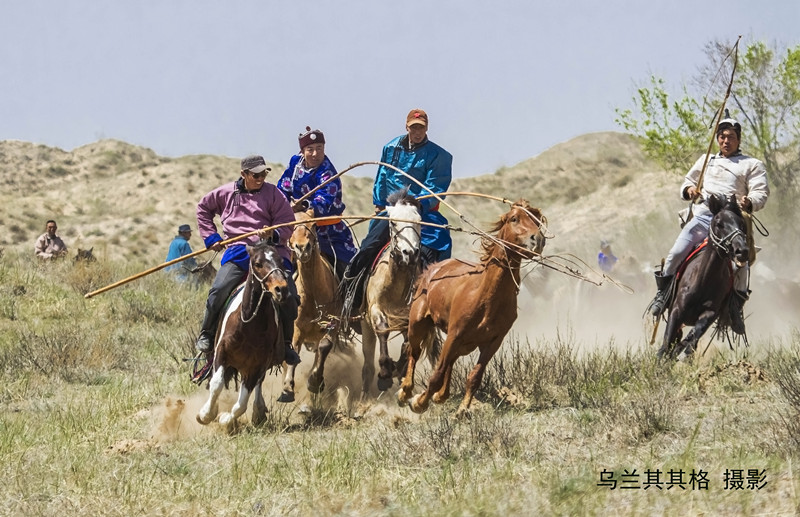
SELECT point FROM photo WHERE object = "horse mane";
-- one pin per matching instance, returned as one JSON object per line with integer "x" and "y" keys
{"x": 488, "y": 245}
{"x": 402, "y": 196}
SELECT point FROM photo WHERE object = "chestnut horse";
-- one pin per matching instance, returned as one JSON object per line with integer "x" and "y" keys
{"x": 389, "y": 288}
{"x": 475, "y": 304}
{"x": 319, "y": 299}
{"x": 704, "y": 287}
{"x": 249, "y": 340}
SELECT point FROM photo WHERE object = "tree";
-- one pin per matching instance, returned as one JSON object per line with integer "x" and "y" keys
{"x": 765, "y": 98}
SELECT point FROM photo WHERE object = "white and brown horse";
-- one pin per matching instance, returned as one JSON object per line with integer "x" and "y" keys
{"x": 475, "y": 304}
{"x": 389, "y": 288}
{"x": 317, "y": 287}
{"x": 250, "y": 340}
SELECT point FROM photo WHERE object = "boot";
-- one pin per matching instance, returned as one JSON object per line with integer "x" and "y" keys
{"x": 659, "y": 303}
{"x": 736, "y": 310}
{"x": 205, "y": 341}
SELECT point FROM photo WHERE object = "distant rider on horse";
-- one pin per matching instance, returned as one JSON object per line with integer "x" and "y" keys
{"x": 729, "y": 172}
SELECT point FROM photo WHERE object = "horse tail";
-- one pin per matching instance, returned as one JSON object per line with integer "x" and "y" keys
{"x": 432, "y": 344}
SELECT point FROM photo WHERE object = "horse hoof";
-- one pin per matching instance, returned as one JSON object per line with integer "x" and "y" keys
{"x": 201, "y": 420}
{"x": 286, "y": 396}
{"x": 415, "y": 406}
{"x": 402, "y": 398}
{"x": 225, "y": 419}
{"x": 313, "y": 387}
{"x": 384, "y": 384}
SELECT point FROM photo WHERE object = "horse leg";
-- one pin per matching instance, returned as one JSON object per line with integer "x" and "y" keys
{"x": 259, "y": 405}
{"x": 316, "y": 379}
{"x": 208, "y": 412}
{"x": 419, "y": 403}
{"x": 368, "y": 349}
{"x": 287, "y": 394}
{"x": 689, "y": 345}
{"x": 418, "y": 331}
{"x": 476, "y": 376}
{"x": 671, "y": 335}
{"x": 238, "y": 409}
{"x": 385, "y": 363}
{"x": 444, "y": 392}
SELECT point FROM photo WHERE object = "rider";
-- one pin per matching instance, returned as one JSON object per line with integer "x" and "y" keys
{"x": 245, "y": 205}
{"x": 307, "y": 171}
{"x": 606, "y": 259}
{"x": 429, "y": 164}
{"x": 729, "y": 172}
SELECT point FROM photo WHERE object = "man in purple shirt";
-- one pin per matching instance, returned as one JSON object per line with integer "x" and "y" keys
{"x": 245, "y": 205}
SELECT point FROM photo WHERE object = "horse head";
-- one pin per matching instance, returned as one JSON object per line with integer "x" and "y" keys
{"x": 727, "y": 232}
{"x": 266, "y": 267}
{"x": 303, "y": 241}
{"x": 405, "y": 214}
{"x": 522, "y": 226}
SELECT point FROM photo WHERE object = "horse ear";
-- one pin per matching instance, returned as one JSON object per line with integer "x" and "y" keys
{"x": 715, "y": 204}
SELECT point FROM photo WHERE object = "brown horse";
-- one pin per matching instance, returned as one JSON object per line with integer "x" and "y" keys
{"x": 389, "y": 288}
{"x": 475, "y": 304}
{"x": 249, "y": 340}
{"x": 704, "y": 287}
{"x": 319, "y": 299}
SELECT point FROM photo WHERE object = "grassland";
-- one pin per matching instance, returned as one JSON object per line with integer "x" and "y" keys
{"x": 98, "y": 419}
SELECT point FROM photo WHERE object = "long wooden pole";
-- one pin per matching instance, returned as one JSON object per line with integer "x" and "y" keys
{"x": 250, "y": 234}
{"x": 720, "y": 112}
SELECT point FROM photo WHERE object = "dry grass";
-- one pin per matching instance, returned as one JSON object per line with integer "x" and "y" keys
{"x": 98, "y": 418}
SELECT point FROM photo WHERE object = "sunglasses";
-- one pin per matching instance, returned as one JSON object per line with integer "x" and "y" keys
{"x": 258, "y": 175}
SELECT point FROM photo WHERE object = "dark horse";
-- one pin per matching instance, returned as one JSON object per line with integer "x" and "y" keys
{"x": 705, "y": 284}
{"x": 249, "y": 341}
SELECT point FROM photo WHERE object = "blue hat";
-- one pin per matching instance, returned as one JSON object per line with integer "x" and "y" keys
{"x": 184, "y": 228}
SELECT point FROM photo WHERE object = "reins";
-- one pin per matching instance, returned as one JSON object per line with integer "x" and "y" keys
{"x": 261, "y": 296}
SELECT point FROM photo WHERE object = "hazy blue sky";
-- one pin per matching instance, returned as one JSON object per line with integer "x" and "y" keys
{"x": 502, "y": 81}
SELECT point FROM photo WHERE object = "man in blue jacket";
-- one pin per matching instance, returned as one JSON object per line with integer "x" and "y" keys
{"x": 429, "y": 164}
{"x": 178, "y": 248}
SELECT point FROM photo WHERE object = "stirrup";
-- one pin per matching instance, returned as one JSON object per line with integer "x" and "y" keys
{"x": 201, "y": 371}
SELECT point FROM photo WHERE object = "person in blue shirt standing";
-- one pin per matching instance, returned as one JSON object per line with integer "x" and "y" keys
{"x": 429, "y": 164}
{"x": 178, "y": 248}
{"x": 306, "y": 171}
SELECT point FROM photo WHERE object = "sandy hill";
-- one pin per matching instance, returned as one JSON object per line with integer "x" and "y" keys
{"x": 126, "y": 202}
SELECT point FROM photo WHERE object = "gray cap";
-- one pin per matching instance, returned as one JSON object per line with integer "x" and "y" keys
{"x": 254, "y": 163}
{"x": 184, "y": 228}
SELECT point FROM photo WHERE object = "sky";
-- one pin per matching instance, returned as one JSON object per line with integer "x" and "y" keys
{"x": 501, "y": 81}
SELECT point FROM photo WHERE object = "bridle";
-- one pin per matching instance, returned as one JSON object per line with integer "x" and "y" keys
{"x": 262, "y": 281}
{"x": 397, "y": 237}
{"x": 724, "y": 246}
{"x": 312, "y": 236}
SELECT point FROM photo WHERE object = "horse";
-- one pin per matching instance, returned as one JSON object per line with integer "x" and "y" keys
{"x": 85, "y": 255}
{"x": 704, "y": 286}
{"x": 474, "y": 304}
{"x": 319, "y": 298}
{"x": 250, "y": 340}
{"x": 389, "y": 287}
